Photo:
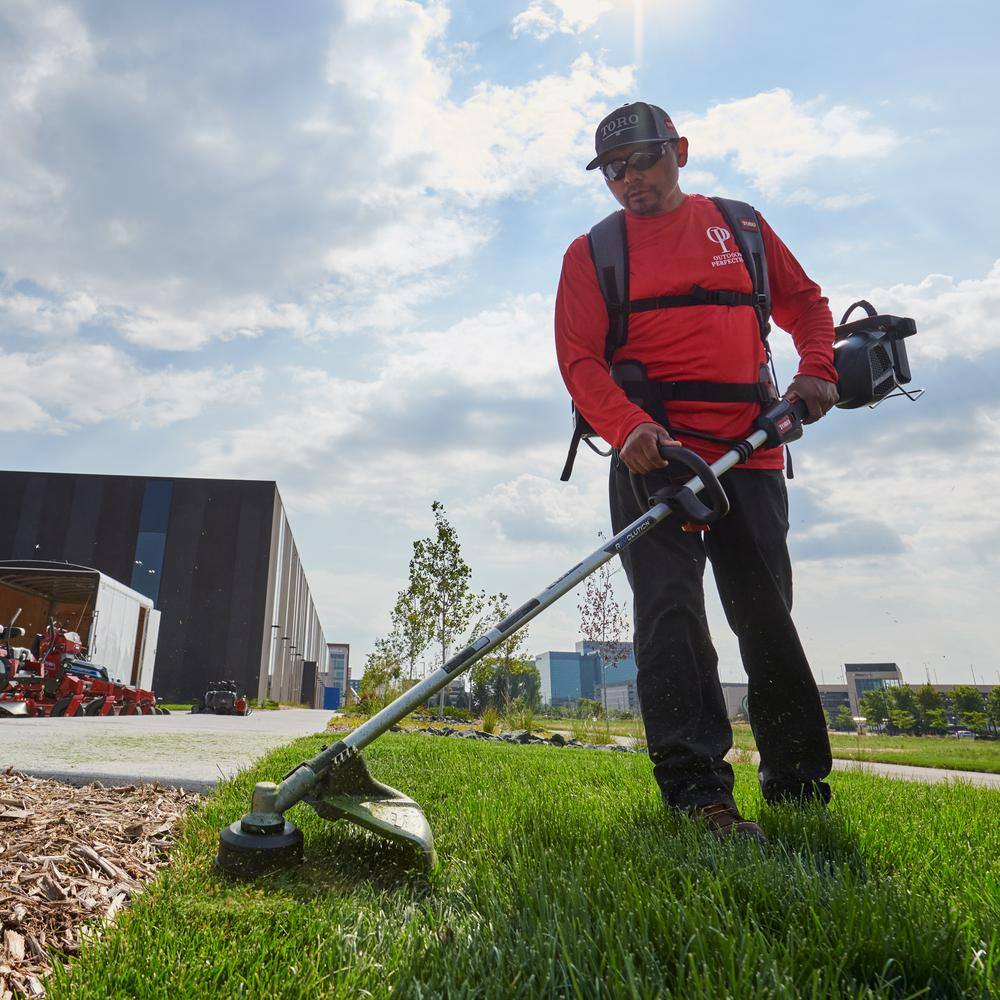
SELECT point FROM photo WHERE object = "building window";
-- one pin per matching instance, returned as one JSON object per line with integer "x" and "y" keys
{"x": 873, "y": 684}
{"x": 151, "y": 542}
{"x": 338, "y": 662}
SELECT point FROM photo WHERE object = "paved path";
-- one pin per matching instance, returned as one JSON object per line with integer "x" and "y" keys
{"x": 909, "y": 772}
{"x": 903, "y": 772}
{"x": 193, "y": 751}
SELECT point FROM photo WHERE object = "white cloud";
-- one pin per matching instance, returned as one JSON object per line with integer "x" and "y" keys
{"x": 463, "y": 396}
{"x": 544, "y": 18}
{"x": 58, "y": 48}
{"x": 96, "y": 383}
{"x": 776, "y": 141}
{"x": 535, "y": 511}
{"x": 955, "y": 318}
{"x": 310, "y": 184}
{"x": 46, "y": 316}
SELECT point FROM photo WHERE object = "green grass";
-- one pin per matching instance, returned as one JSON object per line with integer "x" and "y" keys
{"x": 920, "y": 751}
{"x": 562, "y": 875}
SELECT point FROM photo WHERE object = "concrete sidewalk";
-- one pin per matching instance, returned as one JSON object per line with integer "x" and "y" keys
{"x": 190, "y": 751}
{"x": 903, "y": 772}
{"x": 196, "y": 751}
{"x": 909, "y": 772}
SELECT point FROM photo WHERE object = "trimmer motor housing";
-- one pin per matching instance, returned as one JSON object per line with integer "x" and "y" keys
{"x": 870, "y": 358}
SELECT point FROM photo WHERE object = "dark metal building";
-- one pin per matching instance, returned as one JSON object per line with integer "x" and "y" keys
{"x": 216, "y": 556}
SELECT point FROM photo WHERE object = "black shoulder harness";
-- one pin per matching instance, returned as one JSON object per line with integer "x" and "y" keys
{"x": 608, "y": 242}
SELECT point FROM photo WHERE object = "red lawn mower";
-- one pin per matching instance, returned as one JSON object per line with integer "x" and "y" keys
{"x": 54, "y": 678}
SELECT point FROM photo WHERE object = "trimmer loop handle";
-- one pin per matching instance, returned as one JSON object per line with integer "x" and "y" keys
{"x": 681, "y": 499}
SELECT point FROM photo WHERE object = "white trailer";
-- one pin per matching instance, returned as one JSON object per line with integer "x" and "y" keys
{"x": 118, "y": 625}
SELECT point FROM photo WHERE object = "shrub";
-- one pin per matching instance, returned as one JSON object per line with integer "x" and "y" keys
{"x": 491, "y": 719}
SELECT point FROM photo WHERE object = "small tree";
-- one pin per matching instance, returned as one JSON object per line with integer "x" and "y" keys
{"x": 411, "y": 628}
{"x": 603, "y": 622}
{"x": 440, "y": 583}
{"x": 383, "y": 670}
{"x": 993, "y": 709}
{"x": 903, "y": 721}
{"x": 587, "y": 708}
{"x": 843, "y": 720}
{"x": 978, "y": 722}
{"x": 936, "y": 720}
{"x": 929, "y": 699}
{"x": 904, "y": 702}
{"x": 495, "y": 677}
{"x": 967, "y": 703}
{"x": 875, "y": 708}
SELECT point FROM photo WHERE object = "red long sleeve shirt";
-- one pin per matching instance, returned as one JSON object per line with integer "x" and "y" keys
{"x": 668, "y": 254}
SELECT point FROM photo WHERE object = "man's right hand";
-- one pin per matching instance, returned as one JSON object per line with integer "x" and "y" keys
{"x": 640, "y": 452}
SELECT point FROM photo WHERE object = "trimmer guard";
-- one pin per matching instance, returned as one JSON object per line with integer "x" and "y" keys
{"x": 349, "y": 792}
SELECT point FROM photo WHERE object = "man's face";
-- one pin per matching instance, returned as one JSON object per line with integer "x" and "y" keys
{"x": 649, "y": 192}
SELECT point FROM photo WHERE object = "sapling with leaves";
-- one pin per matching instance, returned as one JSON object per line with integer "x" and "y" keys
{"x": 507, "y": 672}
{"x": 440, "y": 581}
{"x": 604, "y": 622}
{"x": 413, "y": 630}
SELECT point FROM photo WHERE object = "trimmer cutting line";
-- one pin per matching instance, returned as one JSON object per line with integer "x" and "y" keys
{"x": 872, "y": 366}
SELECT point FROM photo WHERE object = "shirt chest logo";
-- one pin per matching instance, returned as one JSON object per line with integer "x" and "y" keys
{"x": 721, "y": 236}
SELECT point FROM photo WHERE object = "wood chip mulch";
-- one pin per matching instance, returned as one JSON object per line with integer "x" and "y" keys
{"x": 71, "y": 858}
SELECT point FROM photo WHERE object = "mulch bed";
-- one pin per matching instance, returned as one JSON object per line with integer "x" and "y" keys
{"x": 71, "y": 858}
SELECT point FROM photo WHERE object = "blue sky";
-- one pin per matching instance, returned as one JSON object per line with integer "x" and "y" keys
{"x": 319, "y": 243}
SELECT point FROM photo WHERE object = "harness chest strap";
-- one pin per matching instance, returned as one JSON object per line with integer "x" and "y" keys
{"x": 608, "y": 242}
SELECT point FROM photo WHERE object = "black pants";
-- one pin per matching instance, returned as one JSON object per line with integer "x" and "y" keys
{"x": 683, "y": 709}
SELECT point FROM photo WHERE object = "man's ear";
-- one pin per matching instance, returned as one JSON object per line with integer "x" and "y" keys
{"x": 682, "y": 151}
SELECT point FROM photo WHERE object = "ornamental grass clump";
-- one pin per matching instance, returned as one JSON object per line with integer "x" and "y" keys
{"x": 520, "y": 717}
{"x": 491, "y": 719}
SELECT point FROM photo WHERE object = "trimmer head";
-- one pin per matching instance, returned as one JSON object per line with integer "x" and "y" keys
{"x": 263, "y": 839}
{"x": 246, "y": 852}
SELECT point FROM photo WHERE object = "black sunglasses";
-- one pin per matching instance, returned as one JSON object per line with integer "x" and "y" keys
{"x": 641, "y": 159}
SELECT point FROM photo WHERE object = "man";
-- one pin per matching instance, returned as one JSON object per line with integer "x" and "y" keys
{"x": 677, "y": 241}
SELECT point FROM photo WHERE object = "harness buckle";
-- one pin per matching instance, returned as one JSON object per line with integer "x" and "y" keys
{"x": 724, "y": 297}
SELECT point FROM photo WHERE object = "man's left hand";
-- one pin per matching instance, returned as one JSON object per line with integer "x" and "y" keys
{"x": 818, "y": 395}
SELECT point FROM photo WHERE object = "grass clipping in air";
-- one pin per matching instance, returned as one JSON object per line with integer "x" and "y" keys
{"x": 562, "y": 875}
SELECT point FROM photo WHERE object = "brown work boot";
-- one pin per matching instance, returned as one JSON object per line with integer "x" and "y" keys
{"x": 725, "y": 821}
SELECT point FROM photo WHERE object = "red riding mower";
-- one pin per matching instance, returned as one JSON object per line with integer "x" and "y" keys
{"x": 54, "y": 678}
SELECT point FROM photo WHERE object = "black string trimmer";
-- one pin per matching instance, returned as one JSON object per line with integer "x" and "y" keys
{"x": 871, "y": 362}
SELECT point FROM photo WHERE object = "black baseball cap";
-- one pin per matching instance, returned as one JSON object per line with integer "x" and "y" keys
{"x": 629, "y": 124}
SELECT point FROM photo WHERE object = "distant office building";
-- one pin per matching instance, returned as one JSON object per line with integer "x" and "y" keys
{"x": 624, "y": 669}
{"x": 336, "y": 678}
{"x": 737, "y": 697}
{"x": 455, "y": 695}
{"x": 622, "y": 697}
{"x": 862, "y": 677}
{"x": 568, "y": 676}
{"x": 834, "y": 697}
{"x": 216, "y": 557}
